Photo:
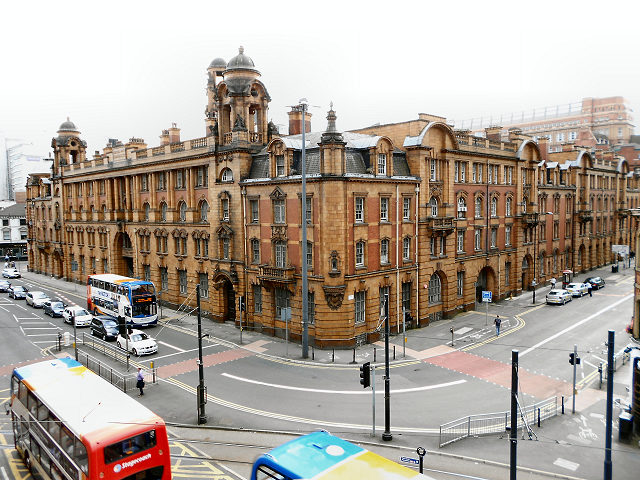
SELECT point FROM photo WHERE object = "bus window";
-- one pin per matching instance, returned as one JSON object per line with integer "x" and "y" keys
{"x": 53, "y": 426}
{"x": 43, "y": 412}
{"x": 66, "y": 441}
{"x": 15, "y": 385}
{"x": 265, "y": 473}
{"x": 22, "y": 393}
{"x": 146, "y": 308}
{"x": 129, "y": 446}
{"x": 32, "y": 403}
{"x": 56, "y": 474}
{"x": 80, "y": 456}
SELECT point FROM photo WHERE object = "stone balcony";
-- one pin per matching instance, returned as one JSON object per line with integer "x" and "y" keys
{"x": 273, "y": 274}
{"x": 440, "y": 224}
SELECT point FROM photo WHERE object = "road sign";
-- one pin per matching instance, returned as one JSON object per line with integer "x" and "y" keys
{"x": 486, "y": 296}
{"x": 413, "y": 461}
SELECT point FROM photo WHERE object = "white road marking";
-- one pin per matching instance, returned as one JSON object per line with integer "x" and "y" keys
{"x": 569, "y": 465}
{"x": 463, "y": 330}
{"x": 575, "y": 325}
{"x": 4, "y": 473}
{"x": 46, "y": 341}
{"x": 601, "y": 359}
{"x": 171, "y": 346}
{"x": 4, "y": 309}
{"x": 344, "y": 392}
{"x": 39, "y": 328}
{"x": 41, "y": 335}
{"x": 597, "y": 415}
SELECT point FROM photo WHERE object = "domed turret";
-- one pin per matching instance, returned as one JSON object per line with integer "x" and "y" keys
{"x": 68, "y": 128}
{"x": 218, "y": 64}
{"x": 241, "y": 62}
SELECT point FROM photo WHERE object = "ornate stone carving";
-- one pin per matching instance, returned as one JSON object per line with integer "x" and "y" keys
{"x": 334, "y": 295}
{"x": 239, "y": 125}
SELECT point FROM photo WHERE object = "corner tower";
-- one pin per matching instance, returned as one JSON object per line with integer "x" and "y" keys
{"x": 238, "y": 106}
{"x": 68, "y": 147}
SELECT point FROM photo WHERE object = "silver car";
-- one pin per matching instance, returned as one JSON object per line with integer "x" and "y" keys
{"x": 578, "y": 289}
{"x": 36, "y": 299}
{"x": 558, "y": 296}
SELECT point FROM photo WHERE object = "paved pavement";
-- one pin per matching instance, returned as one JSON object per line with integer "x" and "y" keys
{"x": 433, "y": 346}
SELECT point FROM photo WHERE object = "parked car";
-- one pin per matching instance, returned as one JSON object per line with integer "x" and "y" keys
{"x": 11, "y": 273}
{"x": 77, "y": 314}
{"x": 596, "y": 282}
{"x": 578, "y": 289}
{"x": 139, "y": 343}
{"x": 17, "y": 292}
{"x": 4, "y": 286}
{"x": 36, "y": 299}
{"x": 54, "y": 307}
{"x": 104, "y": 327}
{"x": 558, "y": 296}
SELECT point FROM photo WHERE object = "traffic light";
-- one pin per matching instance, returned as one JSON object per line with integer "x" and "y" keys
{"x": 122, "y": 329}
{"x": 365, "y": 374}
{"x": 241, "y": 305}
{"x": 574, "y": 359}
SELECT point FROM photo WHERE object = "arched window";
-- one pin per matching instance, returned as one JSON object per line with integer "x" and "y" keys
{"x": 507, "y": 206}
{"x": 462, "y": 207}
{"x": 435, "y": 289}
{"x": 494, "y": 207}
{"x": 182, "y": 209}
{"x": 384, "y": 251}
{"x": 163, "y": 212}
{"x": 478, "y": 207}
{"x": 406, "y": 248}
{"x": 433, "y": 206}
{"x": 204, "y": 211}
{"x": 146, "y": 208}
{"x": 227, "y": 175}
{"x": 104, "y": 211}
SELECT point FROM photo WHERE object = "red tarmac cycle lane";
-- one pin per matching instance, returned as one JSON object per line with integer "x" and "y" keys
{"x": 191, "y": 365}
{"x": 539, "y": 386}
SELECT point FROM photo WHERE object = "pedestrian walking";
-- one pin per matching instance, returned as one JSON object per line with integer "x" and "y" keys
{"x": 140, "y": 381}
{"x": 553, "y": 283}
{"x": 497, "y": 321}
{"x": 590, "y": 288}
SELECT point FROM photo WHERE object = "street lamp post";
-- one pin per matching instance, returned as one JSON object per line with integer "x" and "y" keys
{"x": 386, "y": 435}
{"x": 202, "y": 417}
{"x": 305, "y": 287}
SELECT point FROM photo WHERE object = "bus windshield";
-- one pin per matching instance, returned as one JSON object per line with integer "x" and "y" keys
{"x": 145, "y": 289}
{"x": 130, "y": 446}
{"x": 145, "y": 307}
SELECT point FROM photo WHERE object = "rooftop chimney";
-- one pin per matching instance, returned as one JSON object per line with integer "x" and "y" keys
{"x": 164, "y": 138}
{"x": 493, "y": 133}
{"x": 295, "y": 120}
{"x": 174, "y": 134}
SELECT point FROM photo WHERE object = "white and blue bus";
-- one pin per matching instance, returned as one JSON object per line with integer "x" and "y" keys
{"x": 118, "y": 296}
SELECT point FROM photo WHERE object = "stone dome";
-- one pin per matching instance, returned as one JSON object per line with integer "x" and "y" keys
{"x": 218, "y": 64}
{"x": 68, "y": 126}
{"x": 241, "y": 62}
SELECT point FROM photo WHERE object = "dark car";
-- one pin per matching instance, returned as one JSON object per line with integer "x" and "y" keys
{"x": 104, "y": 327}
{"x": 18, "y": 292}
{"x": 4, "y": 286}
{"x": 54, "y": 307}
{"x": 596, "y": 282}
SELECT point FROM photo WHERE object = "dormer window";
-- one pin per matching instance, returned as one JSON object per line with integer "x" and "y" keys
{"x": 382, "y": 164}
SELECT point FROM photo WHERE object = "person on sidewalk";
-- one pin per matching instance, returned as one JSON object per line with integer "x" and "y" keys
{"x": 553, "y": 283}
{"x": 497, "y": 321}
{"x": 140, "y": 381}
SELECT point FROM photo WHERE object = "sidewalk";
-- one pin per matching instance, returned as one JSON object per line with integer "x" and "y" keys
{"x": 469, "y": 327}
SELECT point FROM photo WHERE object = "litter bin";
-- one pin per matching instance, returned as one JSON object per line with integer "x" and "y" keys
{"x": 614, "y": 268}
{"x": 625, "y": 423}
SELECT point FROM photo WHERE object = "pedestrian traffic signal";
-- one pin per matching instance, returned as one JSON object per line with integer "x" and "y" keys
{"x": 122, "y": 329}
{"x": 365, "y": 375}
{"x": 574, "y": 359}
{"x": 241, "y": 305}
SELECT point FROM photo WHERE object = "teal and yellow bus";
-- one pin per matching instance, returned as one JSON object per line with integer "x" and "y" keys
{"x": 322, "y": 456}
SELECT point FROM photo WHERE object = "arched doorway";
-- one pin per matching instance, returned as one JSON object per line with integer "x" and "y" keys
{"x": 58, "y": 265}
{"x": 123, "y": 255}
{"x": 486, "y": 281}
{"x": 225, "y": 308}
{"x": 527, "y": 272}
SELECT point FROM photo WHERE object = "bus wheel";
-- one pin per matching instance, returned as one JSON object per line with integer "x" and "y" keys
{"x": 27, "y": 462}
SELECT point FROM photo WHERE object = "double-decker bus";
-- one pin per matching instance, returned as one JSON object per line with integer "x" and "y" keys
{"x": 322, "y": 456}
{"x": 118, "y": 296}
{"x": 71, "y": 424}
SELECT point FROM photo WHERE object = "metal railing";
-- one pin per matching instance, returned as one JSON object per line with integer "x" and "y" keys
{"x": 124, "y": 381}
{"x": 488, "y": 423}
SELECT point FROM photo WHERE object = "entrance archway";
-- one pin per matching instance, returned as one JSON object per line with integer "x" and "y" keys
{"x": 486, "y": 281}
{"x": 225, "y": 307}
{"x": 123, "y": 255}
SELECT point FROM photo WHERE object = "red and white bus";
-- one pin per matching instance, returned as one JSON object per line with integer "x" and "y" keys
{"x": 70, "y": 424}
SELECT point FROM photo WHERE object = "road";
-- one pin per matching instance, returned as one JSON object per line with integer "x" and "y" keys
{"x": 254, "y": 385}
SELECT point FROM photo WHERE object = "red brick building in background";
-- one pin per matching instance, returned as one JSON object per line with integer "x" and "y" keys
{"x": 414, "y": 211}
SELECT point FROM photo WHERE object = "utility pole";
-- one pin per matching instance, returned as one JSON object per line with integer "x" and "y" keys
{"x": 202, "y": 396}
{"x": 607, "y": 447}
{"x": 513, "y": 434}
{"x": 575, "y": 364}
{"x": 386, "y": 435}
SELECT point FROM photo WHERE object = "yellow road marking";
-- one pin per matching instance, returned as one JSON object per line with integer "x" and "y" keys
{"x": 521, "y": 324}
{"x": 204, "y": 469}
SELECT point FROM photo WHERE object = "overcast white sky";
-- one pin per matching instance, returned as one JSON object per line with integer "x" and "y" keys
{"x": 122, "y": 69}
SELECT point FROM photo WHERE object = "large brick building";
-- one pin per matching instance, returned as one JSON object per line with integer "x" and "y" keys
{"x": 415, "y": 211}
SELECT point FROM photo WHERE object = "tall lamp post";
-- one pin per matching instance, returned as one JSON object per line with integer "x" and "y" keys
{"x": 305, "y": 287}
{"x": 202, "y": 392}
{"x": 387, "y": 387}
{"x": 535, "y": 253}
